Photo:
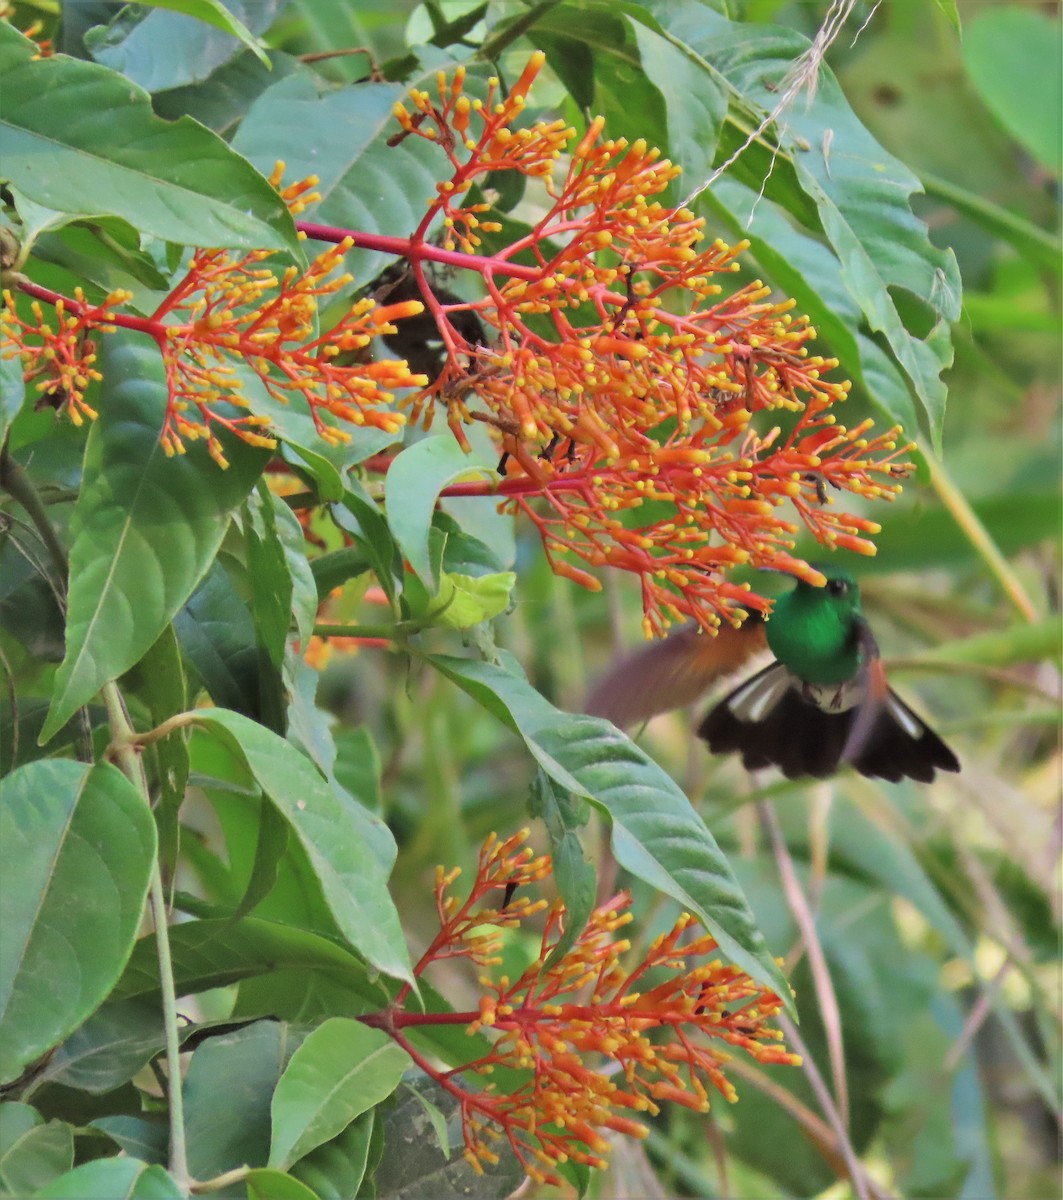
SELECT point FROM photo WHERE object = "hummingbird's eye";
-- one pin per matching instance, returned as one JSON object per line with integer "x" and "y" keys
{"x": 837, "y": 587}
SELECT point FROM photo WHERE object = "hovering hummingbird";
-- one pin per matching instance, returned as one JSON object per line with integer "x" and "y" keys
{"x": 824, "y": 702}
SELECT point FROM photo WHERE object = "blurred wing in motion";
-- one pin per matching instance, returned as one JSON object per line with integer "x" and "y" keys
{"x": 674, "y": 672}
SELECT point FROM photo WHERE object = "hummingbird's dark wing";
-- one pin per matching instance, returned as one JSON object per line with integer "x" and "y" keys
{"x": 776, "y": 720}
{"x": 902, "y": 745}
{"x": 886, "y": 738}
{"x": 674, "y": 672}
{"x": 769, "y": 722}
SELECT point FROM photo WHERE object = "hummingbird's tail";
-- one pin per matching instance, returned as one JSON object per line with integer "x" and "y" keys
{"x": 774, "y": 720}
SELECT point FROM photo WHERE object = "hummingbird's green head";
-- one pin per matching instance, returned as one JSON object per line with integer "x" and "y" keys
{"x": 811, "y": 629}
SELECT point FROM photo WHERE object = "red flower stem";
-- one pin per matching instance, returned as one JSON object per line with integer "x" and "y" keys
{"x": 404, "y": 247}
{"x": 148, "y": 325}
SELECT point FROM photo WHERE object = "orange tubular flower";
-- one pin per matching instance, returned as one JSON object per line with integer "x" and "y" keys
{"x": 620, "y": 376}
{"x": 593, "y": 1041}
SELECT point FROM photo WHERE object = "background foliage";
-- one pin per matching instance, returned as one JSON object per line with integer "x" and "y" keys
{"x": 280, "y": 818}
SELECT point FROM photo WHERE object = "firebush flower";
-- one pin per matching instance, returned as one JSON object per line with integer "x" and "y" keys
{"x": 631, "y": 381}
{"x": 587, "y": 1041}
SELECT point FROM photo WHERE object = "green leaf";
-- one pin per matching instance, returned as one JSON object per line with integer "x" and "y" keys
{"x": 411, "y": 489}
{"x": 217, "y": 637}
{"x": 575, "y": 876}
{"x": 165, "y": 49}
{"x": 158, "y": 680}
{"x": 126, "y": 583}
{"x": 69, "y": 830}
{"x": 117, "y": 1041}
{"x": 1004, "y": 647}
{"x": 414, "y": 1166}
{"x": 332, "y": 570}
{"x": 32, "y": 1153}
{"x": 12, "y": 392}
{"x": 361, "y": 517}
{"x": 228, "y": 1087}
{"x": 268, "y": 574}
{"x": 948, "y": 7}
{"x": 861, "y": 193}
{"x": 78, "y": 138}
{"x": 263, "y": 1183}
{"x": 335, "y": 1170}
{"x": 270, "y": 847}
{"x": 466, "y": 600}
{"x": 1038, "y": 245}
{"x": 439, "y": 1122}
{"x": 1012, "y": 57}
{"x": 139, "y": 1137}
{"x": 127, "y": 1178}
{"x": 216, "y": 953}
{"x": 341, "y": 1070}
{"x": 222, "y": 99}
{"x": 657, "y": 835}
{"x": 105, "y": 252}
{"x": 351, "y": 850}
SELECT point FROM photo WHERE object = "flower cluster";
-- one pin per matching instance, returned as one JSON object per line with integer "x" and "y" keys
{"x": 619, "y": 373}
{"x": 59, "y": 354}
{"x": 235, "y": 309}
{"x": 226, "y": 311}
{"x": 591, "y": 1041}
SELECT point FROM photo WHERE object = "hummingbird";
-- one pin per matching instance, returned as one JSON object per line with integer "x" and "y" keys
{"x": 823, "y": 702}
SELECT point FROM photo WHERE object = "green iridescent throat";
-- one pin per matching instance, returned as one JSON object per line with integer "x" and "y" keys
{"x": 811, "y": 630}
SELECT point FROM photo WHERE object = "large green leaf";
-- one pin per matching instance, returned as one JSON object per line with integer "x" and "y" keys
{"x": 79, "y": 844}
{"x": 120, "y": 1038}
{"x": 342, "y": 1069}
{"x": 228, "y": 1087}
{"x": 1012, "y": 57}
{"x": 350, "y": 849}
{"x": 125, "y": 1177}
{"x": 861, "y": 193}
{"x": 144, "y": 530}
{"x": 216, "y": 952}
{"x": 79, "y": 138}
{"x": 336, "y": 1169}
{"x": 657, "y": 835}
{"x": 32, "y": 1152}
{"x": 412, "y": 486}
{"x": 161, "y": 50}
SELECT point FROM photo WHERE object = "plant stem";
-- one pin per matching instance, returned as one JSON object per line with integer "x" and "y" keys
{"x": 128, "y": 758}
{"x": 977, "y": 534}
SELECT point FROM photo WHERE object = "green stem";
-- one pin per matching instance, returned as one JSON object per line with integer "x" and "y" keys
{"x": 220, "y": 1181}
{"x": 128, "y": 759}
{"x": 15, "y": 482}
{"x": 493, "y": 46}
{"x": 389, "y": 632}
{"x": 977, "y": 534}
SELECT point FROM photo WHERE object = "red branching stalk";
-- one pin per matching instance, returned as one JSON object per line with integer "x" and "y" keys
{"x": 586, "y": 1043}
{"x": 622, "y": 378}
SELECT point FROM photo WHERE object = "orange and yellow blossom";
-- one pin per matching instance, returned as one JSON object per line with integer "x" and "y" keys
{"x": 620, "y": 373}
{"x": 594, "y": 1042}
